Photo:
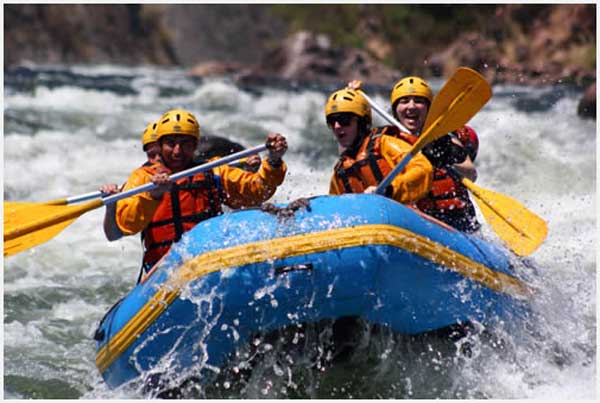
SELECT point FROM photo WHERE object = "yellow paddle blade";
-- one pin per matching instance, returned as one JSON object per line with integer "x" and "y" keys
{"x": 465, "y": 86}
{"x": 521, "y": 229}
{"x": 463, "y": 95}
{"x": 29, "y": 224}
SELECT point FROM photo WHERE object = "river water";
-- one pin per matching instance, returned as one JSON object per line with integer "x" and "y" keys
{"x": 69, "y": 130}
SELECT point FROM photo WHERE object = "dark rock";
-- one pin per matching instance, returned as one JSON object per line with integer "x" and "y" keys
{"x": 472, "y": 50}
{"x": 305, "y": 56}
{"x": 211, "y": 146}
{"x": 587, "y": 104}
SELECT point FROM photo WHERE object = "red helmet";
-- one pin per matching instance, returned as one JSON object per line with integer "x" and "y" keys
{"x": 469, "y": 138}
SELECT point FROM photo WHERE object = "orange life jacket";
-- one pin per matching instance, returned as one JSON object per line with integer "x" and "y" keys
{"x": 368, "y": 168}
{"x": 448, "y": 200}
{"x": 191, "y": 200}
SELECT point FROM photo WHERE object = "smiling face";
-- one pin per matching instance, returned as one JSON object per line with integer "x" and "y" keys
{"x": 411, "y": 111}
{"x": 344, "y": 127}
{"x": 178, "y": 151}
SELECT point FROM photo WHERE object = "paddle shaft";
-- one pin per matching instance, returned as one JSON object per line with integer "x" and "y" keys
{"x": 384, "y": 114}
{"x": 76, "y": 199}
{"x": 29, "y": 229}
{"x": 188, "y": 172}
{"x": 84, "y": 197}
{"x": 97, "y": 194}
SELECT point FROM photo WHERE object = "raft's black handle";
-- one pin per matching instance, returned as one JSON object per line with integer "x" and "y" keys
{"x": 294, "y": 267}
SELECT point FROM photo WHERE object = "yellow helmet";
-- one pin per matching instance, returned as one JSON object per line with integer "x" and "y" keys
{"x": 149, "y": 135}
{"x": 178, "y": 121}
{"x": 408, "y": 86}
{"x": 348, "y": 101}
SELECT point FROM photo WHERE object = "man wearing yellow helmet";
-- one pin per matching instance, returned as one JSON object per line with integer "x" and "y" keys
{"x": 448, "y": 200}
{"x": 172, "y": 208}
{"x": 366, "y": 159}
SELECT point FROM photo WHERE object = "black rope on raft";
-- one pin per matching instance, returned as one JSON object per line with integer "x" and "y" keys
{"x": 283, "y": 213}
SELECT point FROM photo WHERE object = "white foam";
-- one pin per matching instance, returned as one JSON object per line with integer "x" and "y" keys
{"x": 543, "y": 159}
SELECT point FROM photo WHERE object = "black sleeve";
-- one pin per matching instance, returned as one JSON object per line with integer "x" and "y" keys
{"x": 443, "y": 152}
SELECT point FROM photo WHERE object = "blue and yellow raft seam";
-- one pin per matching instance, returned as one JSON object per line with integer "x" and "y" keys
{"x": 315, "y": 242}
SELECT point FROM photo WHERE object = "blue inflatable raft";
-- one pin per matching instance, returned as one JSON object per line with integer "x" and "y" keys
{"x": 253, "y": 271}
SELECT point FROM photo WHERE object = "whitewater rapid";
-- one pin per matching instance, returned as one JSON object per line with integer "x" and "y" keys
{"x": 69, "y": 138}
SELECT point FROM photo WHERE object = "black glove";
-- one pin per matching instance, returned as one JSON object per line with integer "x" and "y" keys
{"x": 443, "y": 152}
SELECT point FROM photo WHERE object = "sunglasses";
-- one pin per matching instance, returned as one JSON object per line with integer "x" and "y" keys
{"x": 344, "y": 119}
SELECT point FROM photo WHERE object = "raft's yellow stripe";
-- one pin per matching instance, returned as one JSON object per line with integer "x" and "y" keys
{"x": 302, "y": 244}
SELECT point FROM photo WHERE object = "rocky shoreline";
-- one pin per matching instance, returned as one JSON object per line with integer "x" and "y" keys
{"x": 246, "y": 42}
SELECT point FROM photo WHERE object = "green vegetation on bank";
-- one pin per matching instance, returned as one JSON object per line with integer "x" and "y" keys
{"x": 347, "y": 23}
{"x": 511, "y": 42}
{"x": 411, "y": 27}
{"x": 420, "y": 30}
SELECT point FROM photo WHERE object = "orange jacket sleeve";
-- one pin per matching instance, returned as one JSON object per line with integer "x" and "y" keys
{"x": 333, "y": 186}
{"x": 246, "y": 189}
{"x": 242, "y": 189}
{"x": 135, "y": 213}
{"x": 416, "y": 178}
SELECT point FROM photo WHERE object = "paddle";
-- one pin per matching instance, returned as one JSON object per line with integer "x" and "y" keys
{"x": 29, "y": 224}
{"x": 521, "y": 229}
{"x": 76, "y": 199}
{"x": 463, "y": 95}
